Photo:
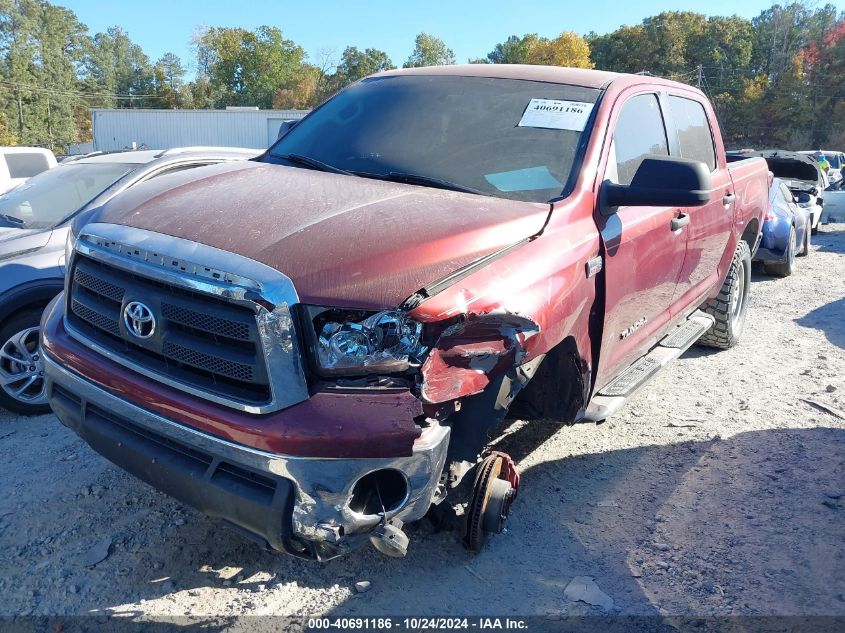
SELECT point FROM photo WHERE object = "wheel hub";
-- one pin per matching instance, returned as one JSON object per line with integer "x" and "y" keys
{"x": 495, "y": 488}
{"x": 22, "y": 368}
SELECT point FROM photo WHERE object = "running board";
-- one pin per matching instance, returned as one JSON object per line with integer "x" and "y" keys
{"x": 616, "y": 393}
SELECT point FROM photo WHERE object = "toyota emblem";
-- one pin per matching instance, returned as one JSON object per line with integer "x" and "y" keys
{"x": 139, "y": 320}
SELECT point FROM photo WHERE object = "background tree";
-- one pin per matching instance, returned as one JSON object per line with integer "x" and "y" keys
{"x": 246, "y": 68}
{"x": 514, "y": 50}
{"x": 118, "y": 71}
{"x": 356, "y": 64}
{"x": 567, "y": 49}
{"x": 775, "y": 80}
{"x": 429, "y": 51}
{"x": 168, "y": 78}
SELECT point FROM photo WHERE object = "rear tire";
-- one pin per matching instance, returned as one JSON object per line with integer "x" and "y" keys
{"x": 785, "y": 268}
{"x": 729, "y": 306}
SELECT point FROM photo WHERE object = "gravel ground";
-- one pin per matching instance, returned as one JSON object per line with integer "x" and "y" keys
{"x": 717, "y": 490}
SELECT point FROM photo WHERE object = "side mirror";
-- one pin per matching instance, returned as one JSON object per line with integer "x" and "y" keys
{"x": 661, "y": 181}
{"x": 286, "y": 127}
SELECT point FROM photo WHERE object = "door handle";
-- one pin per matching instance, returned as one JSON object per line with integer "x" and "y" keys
{"x": 680, "y": 222}
{"x": 730, "y": 197}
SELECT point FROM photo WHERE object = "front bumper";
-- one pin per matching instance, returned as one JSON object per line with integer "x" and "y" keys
{"x": 293, "y": 504}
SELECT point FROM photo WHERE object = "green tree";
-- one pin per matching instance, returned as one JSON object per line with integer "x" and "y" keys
{"x": 246, "y": 68}
{"x": 7, "y": 135}
{"x": 429, "y": 51}
{"x": 514, "y": 50}
{"x": 356, "y": 64}
{"x": 168, "y": 79}
{"x": 40, "y": 51}
{"x": 118, "y": 71}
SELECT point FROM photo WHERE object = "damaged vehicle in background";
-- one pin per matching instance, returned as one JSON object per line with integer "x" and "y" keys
{"x": 315, "y": 347}
{"x": 786, "y": 232}
{"x": 802, "y": 175}
{"x": 35, "y": 220}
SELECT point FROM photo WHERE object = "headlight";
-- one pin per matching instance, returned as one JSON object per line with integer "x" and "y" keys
{"x": 70, "y": 244}
{"x": 350, "y": 343}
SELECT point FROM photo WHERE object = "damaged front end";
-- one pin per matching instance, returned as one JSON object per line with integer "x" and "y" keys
{"x": 477, "y": 359}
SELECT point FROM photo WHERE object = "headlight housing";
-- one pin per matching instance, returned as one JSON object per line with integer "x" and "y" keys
{"x": 354, "y": 342}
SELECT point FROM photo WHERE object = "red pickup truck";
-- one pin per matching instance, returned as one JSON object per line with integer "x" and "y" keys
{"x": 315, "y": 346}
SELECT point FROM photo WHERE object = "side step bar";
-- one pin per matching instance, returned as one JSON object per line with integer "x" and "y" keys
{"x": 614, "y": 394}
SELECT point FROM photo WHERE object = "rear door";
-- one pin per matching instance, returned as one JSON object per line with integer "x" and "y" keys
{"x": 643, "y": 255}
{"x": 709, "y": 229}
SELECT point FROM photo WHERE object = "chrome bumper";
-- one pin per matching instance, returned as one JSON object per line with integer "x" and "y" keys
{"x": 322, "y": 523}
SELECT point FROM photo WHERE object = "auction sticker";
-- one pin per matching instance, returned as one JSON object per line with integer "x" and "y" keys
{"x": 556, "y": 115}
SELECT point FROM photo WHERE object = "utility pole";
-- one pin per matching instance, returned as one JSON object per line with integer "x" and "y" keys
{"x": 49, "y": 124}
{"x": 699, "y": 76}
{"x": 20, "y": 117}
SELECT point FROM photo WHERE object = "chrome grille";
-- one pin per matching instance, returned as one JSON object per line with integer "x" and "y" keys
{"x": 205, "y": 322}
{"x": 202, "y": 341}
{"x": 96, "y": 319}
{"x": 224, "y": 330}
{"x": 213, "y": 364}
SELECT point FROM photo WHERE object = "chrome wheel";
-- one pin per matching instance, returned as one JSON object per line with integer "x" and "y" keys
{"x": 22, "y": 368}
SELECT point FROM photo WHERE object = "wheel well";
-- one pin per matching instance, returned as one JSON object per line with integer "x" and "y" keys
{"x": 39, "y": 304}
{"x": 558, "y": 389}
{"x": 25, "y": 299}
{"x": 749, "y": 235}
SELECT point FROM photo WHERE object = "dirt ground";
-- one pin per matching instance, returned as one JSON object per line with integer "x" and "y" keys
{"x": 717, "y": 490}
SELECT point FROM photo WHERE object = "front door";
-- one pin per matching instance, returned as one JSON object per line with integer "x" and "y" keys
{"x": 643, "y": 255}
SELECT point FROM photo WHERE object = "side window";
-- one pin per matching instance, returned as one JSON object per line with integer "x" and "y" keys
{"x": 25, "y": 165}
{"x": 639, "y": 133}
{"x": 695, "y": 139}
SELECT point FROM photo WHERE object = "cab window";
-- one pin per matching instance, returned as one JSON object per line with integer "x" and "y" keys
{"x": 694, "y": 138}
{"x": 639, "y": 133}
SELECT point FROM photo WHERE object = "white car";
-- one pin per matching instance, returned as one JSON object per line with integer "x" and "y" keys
{"x": 835, "y": 159}
{"x": 834, "y": 203}
{"x": 18, "y": 164}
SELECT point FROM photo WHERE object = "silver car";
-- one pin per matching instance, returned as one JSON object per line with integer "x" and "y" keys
{"x": 34, "y": 222}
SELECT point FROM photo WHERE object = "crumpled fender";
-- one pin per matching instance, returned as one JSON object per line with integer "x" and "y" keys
{"x": 470, "y": 354}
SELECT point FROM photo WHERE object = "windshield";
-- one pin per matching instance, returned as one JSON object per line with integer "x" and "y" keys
{"x": 833, "y": 160}
{"x": 501, "y": 137}
{"x": 45, "y": 200}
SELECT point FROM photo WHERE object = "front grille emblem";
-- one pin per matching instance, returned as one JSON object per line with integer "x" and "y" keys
{"x": 139, "y": 320}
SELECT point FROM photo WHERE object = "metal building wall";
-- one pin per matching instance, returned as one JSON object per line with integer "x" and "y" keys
{"x": 164, "y": 129}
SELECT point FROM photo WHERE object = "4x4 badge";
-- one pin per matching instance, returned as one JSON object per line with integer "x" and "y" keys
{"x": 139, "y": 320}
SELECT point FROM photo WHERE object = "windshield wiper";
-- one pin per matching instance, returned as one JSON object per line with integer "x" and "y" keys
{"x": 12, "y": 219}
{"x": 427, "y": 181}
{"x": 307, "y": 161}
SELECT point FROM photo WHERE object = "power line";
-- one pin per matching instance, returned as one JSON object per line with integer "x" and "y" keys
{"x": 77, "y": 93}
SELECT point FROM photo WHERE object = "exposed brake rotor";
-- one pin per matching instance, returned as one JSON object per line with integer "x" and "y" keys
{"x": 495, "y": 488}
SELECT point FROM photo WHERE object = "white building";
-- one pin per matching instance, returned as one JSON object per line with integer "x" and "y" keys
{"x": 162, "y": 129}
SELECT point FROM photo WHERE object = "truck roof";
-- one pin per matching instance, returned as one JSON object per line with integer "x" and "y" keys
{"x": 553, "y": 74}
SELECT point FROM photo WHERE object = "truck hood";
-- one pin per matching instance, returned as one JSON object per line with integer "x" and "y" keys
{"x": 343, "y": 240}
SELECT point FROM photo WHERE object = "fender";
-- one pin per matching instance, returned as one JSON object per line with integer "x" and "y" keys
{"x": 514, "y": 310}
{"x": 32, "y": 293}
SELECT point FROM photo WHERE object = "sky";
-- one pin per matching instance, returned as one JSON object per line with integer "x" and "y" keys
{"x": 469, "y": 27}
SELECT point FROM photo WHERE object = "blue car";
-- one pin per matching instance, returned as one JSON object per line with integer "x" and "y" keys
{"x": 786, "y": 231}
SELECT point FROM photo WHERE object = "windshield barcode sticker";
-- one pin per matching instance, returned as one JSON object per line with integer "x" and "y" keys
{"x": 556, "y": 115}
